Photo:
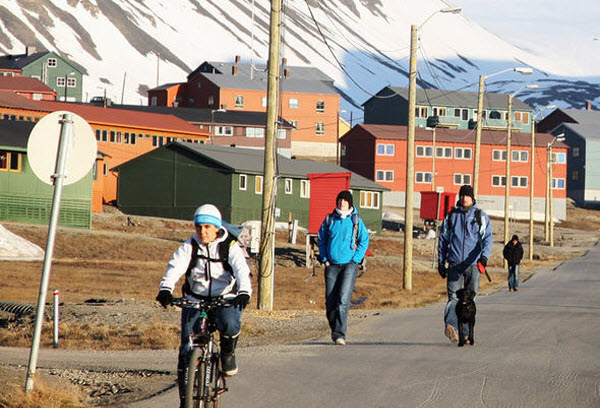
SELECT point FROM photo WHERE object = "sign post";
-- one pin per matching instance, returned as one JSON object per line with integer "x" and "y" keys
{"x": 57, "y": 158}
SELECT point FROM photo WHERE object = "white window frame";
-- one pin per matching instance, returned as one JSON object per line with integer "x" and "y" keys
{"x": 369, "y": 199}
{"x": 71, "y": 82}
{"x": 264, "y": 102}
{"x": 425, "y": 151}
{"x": 223, "y": 130}
{"x": 304, "y": 188}
{"x": 320, "y": 107}
{"x": 501, "y": 181}
{"x": 559, "y": 158}
{"x": 421, "y": 111}
{"x": 519, "y": 180}
{"x": 446, "y": 152}
{"x": 239, "y": 101}
{"x": 258, "y": 184}
{"x": 52, "y": 63}
{"x": 556, "y": 183}
{"x": 575, "y": 151}
{"x": 388, "y": 149}
{"x": 293, "y": 103}
{"x": 522, "y": 156}
{"x": 499, "y": 155}
{"x": 462, "y": 179}
{"x": 423, "y": 177}
{"x": 384, "y": 176}
{"x": 255, "y": 132}
{"x": 462, "y": 151}
{"x": 288, "y": 186}
{"x": 243, "y": 182}
{"x": 320, "y": 128}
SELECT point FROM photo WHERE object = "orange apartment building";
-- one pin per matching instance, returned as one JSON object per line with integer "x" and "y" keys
{"x": 121, "y": 135}
{"x": 308, "y": 100}
{"x": 378, "y": 152}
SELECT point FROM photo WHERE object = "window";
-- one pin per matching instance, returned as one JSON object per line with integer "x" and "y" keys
{"x": 385, "y": 149}
{"x": 95, "y": 171}
{"x": 264, "y": 101}
{"x": 423, "y": 177}
{"x": 258, "y": 184}
{"x": 520, "y": 156}
{"x": 439, "y": 111}
{"x": 498, "y": 181}
{"x": 243, "y": 182}
{"x": 424, "y": 151}
{"x": 119, "y": 137}
{"x": 37, "y": 97}
{"x": 369, "y": 199}
{"x": 105, "y": 136}
{"x": 575, "y": 151}
{"x": 517, "y": 181}
{"x": 98, "y": 134}
{"x": 288, "y": 186}
{"x": 305, "y": 188}
{"x": 154, "y": 100}
{"x": 384, "y": 175}
{"x": 293, "y": 103}
{"x": 462, "y": 153}
{"x": 281, "y": 134}
{"x": 525, "y": 118}
{"x": 10, "y": 161}
{"x": 517, "y": 116}
{"x": 461, "y": 113}
{"x": 575, "y": 175}
{"x": 320, "y": 129}
{"x": 52, "y": 62}
{"x": 483, "y": 116}
{"x": 498, "y": 155}
{"x": 223, "y": 130}
{"x": 154, "y": 141}
{"x": 60, "y": 81}
{"x": 421, "y": 111}
{"x": 255, "y": 132}
{"x": 558, "y": 183}
{"x": 443, "y": 152}
{"x": 105, "y": 169}
{"x": 462, "y": 179}
{"x": 112, "y": 136}
{"x": 320, "y": 106}
{"x": 559, "y": 158}
{"x": 239, "y": 101}
{"x": 71, "y": 82}
{"x": 210, "y": 101}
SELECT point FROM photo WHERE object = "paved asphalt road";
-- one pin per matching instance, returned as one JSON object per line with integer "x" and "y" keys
{"x": 539, "y": 347}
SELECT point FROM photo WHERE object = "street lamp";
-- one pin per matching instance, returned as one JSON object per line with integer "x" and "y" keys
{"x": 532, "y": 174}
{"x": 482, "y": 78}
{"x": 66, "y": 77}
{"x": 508, "y": 159}
{"x": 549, "y": 193}
{"x": 410, "y": 150}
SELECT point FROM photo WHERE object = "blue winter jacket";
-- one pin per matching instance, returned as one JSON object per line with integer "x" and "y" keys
{"x": 466, "y": 241}
{"x": 336, "y": 241}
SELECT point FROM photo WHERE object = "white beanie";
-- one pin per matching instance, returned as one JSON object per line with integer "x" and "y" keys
{"x": 207, "y": 214}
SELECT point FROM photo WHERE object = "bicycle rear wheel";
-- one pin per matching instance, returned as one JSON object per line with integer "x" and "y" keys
{"x": 201, "y": 393}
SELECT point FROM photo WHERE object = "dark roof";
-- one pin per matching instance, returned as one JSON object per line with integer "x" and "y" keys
{"x": 196, "y": 115}
{"x": 166, "y": 86}
{"x": 586, "y": 131}
{"x": 301, "y": 79}
{"x": 445, "y": 135}
{"x": 21, "y": 60}
{"x": 15, "y": 134}
{"x": 583, "y": 117}
{"x": 251, "y": 161}
{"x": 458, "y": 99}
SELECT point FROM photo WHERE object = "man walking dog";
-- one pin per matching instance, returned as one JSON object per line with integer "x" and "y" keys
{"x": 465, "y": 240}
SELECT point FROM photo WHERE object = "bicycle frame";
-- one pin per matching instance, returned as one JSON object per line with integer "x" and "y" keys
{"x": 205, "y": 379}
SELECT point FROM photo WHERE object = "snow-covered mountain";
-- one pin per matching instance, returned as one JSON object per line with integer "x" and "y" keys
{"x": 128, "y": 46}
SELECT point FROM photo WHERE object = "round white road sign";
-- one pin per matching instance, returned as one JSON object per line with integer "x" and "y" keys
{"x": 43, "y": 144}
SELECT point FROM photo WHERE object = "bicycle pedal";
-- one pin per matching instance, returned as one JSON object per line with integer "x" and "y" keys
{"x": 222, "y": 390}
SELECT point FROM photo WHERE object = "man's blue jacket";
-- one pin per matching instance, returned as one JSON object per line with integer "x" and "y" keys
{"x": 465, "y": 241}
{"x": 336, "y": 242}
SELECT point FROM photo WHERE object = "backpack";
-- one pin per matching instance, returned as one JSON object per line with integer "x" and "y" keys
{"x": 354, "y": 217}
{"x": 477, "y": 218}
{"x": 238, "y": 234}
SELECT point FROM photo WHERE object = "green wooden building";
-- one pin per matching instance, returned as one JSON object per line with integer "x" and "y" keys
{"x": 63, "y": 76}
{"x": 172, "y": 181}
{"x": 24, "y": 197}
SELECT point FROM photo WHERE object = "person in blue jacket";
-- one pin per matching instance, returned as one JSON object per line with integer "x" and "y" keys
{"x": 343, "y": 241}
{"x": 465, "y": 240}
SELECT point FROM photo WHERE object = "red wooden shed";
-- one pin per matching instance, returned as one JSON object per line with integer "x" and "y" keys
{"x": 430, "y": 205}
{"x": 324, "y": 188}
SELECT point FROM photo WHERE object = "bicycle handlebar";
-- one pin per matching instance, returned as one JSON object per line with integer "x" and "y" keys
{"x": 209, "y": 303}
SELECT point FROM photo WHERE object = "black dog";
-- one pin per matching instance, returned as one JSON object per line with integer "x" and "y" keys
{"x": 465, "y": 311}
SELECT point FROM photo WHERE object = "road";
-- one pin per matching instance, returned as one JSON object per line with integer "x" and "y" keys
{"x": 539, "y": 347}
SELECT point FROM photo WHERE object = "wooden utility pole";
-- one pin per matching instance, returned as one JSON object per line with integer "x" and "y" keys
{"x": 507, "y": 178}
{"x": 410, "y": 162}
{"x": 267, "y": 235}
{"x": 478, "y": 136}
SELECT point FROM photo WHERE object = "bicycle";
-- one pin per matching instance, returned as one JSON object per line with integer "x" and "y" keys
{"x": 206, "y": 381}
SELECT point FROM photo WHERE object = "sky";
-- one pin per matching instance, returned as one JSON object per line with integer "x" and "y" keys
{"x": 566, "y": 30}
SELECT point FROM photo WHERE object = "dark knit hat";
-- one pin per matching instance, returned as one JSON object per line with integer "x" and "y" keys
{"x": 344, "y": 195}
{"x": 515, "y": 238}
{"x": 467, "y": 190}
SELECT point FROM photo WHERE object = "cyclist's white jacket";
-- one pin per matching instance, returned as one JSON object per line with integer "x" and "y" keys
{"x": 208, "y": 277}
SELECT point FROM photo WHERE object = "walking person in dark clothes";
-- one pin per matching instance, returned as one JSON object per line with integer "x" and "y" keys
{"x": 513, "y": 253}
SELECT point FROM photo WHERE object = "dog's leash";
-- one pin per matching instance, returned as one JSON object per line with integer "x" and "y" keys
{"x": 482, "y": 270}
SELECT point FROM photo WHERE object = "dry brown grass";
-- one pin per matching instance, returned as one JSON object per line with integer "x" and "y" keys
{"x": 46, "y": 393}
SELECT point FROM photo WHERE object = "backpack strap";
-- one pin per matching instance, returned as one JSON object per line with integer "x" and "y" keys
{"x": 354, "y": 230}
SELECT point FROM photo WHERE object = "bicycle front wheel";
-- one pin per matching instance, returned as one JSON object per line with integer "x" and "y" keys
{"x": 203, "y": 377}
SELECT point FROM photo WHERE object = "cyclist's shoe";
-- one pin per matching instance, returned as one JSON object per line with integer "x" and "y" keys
{"x": 228, "y": 364}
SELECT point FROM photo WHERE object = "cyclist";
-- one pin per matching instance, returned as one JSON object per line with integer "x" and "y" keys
{"x": 208, "y": 275}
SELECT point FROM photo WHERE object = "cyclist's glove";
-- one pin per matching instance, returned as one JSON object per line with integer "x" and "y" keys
{"x": 442, "y": 270}
{"x": 165, "y": 298}
{"x": 241, "y": 301}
